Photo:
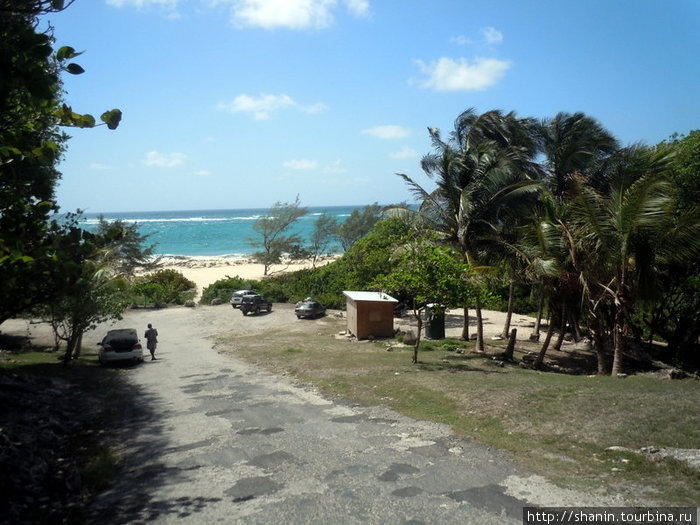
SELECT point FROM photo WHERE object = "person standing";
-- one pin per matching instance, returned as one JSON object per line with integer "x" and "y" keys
{"x": 151, "y": 336}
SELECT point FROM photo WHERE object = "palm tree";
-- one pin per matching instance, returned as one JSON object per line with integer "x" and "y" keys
{"x": 485, "y": 166}
{"x": 614, "y": 238}
{"x": 574, "y": 143}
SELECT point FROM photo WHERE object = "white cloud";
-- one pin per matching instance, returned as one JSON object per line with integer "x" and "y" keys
{"x": 314, "y": 108}
{"x": 489, "y": 35}
{"x": 301, "y": 165}
{"x": 461, "y": 40}
{"x": 263, "y": 106}
{"x": 492, "y": 35}
{"x": 387, "y": 132}
{"x": 447, "y": 74}
{"x": 291, "y": 14}
{"x": 164, "y": 160}
{"x": 358, "y": 8}
{"x": 202, "y": 173}
{"x": 404, "y": 153}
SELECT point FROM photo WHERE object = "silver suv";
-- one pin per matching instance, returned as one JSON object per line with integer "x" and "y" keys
{"x": 238, "y": 296}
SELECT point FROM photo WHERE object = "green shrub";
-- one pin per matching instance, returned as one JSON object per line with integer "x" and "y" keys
{"x": 223, "y": 289}
{"x": 168, "y": 286}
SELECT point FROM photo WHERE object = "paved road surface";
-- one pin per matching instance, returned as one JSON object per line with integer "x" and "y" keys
{"x": 215, "y": 440}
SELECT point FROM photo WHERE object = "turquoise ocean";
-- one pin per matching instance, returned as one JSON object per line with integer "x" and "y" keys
{"x": 209, "y": 233}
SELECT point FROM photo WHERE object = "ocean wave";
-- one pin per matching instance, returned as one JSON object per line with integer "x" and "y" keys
{"x": 173, "y": 219}
{"x": 236, "y": 258}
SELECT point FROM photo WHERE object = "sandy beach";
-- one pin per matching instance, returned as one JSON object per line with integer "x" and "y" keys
{"x": 207, "y": 270}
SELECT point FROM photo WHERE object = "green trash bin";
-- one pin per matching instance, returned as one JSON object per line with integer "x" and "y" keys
{"x": 434, "y": 317}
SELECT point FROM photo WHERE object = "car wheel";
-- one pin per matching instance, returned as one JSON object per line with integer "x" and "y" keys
{"x": 269, "y": 308}
{"x": 244, "y": 312}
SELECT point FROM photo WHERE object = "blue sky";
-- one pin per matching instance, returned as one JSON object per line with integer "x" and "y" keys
{"x": 243, "y": 103}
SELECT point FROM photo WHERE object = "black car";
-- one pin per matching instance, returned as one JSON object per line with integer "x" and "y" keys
{"x": 254, "y": 303}
{"x": 310, "y": 309}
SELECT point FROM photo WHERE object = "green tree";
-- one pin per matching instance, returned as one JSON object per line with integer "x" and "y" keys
{"x": 673, "y": 312}
{"x": 31, "y": 143}
{"x": 86, "y": 291}
{"x": 424, "y": 273}
{"x": 482, "y": 170}
{"x": 618, "y": 239}
{"x": 275, "y": 238}
{"x": 127, "y": 249}
{"x": 684, "y": 170}
{"x": 322, "y": 237}
{"x": 575, "y": 144}
{"x": 358, "y": 224}
{"x": 169, "y": 286}
{"x": 89, "y": 280}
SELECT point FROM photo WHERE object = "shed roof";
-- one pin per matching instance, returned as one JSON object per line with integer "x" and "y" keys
{"x": 370, "y": 296}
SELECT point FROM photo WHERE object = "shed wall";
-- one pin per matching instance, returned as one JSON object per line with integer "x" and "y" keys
{"x": 370, "y": 318}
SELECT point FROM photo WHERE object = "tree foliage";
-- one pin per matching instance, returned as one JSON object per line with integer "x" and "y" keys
{"x": 322, "y": 237}
{"x": 423, "y": 273}
{"x": 32, "y": 114}
{"x": 358, "y": 224}
{"x": 595, "y": 227}
{"x": 275, "y": 239}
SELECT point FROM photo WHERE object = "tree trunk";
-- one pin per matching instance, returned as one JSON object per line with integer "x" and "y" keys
{"x": 509, "y": 314}
{"x": 596, "y": 334}
{"x": 479, "y": 328}
{"x": 465, "y": 325}
{"x": 562, "y": 330}
{"x": 71, "y": 343}
{"x": 78, "y": 346}
{"x": 540, "y": 357}
{"x": 419, "y": 330}
{"x": 508, "y": 355}
{"x": 575, "y": 326}
{"x": 535, "y": 336}
{"x": 619, "y": 341}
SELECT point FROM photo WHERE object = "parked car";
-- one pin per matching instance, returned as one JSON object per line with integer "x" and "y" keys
{"x": 237, "y": 297}
{"x": 255, "y": 303}
{"x": 120, "y": 345}
{"x": 309, "y": 308}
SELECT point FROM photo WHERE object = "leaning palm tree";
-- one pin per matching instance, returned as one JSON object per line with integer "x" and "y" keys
{"x": 483, "y": 168}
{"x": 614, "y": 238}
{"x": 574, "y": 143}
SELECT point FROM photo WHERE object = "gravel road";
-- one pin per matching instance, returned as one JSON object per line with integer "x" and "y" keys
{"x": 216, "y": 440}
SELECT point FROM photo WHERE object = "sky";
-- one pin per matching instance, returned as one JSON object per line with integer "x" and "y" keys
{"x": 244, "y": 103}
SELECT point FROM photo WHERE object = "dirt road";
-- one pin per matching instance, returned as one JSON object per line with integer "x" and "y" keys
{"x": 214, "y": 440}
{"x": 207, "y": 438}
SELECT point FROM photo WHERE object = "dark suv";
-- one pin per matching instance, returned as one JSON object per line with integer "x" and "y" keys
{"x": 254, "y": 303}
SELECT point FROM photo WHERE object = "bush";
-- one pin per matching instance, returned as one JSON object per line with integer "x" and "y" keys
{"x": 168, "y": 286}
{"x": 223, "y": 289}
